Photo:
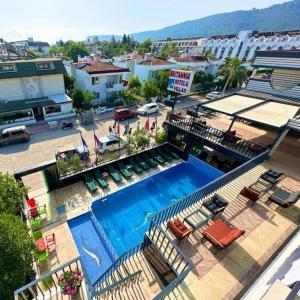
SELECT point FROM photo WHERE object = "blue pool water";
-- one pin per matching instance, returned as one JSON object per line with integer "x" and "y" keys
{"x": 125, "y": 215}
{"x": 90, "y": 247}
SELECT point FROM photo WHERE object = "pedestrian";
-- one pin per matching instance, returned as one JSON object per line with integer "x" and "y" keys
{"x": 110, "y": 130}
{"x": 153, "y": 125}
{"x": 138, "y": 126}
{"x": 152, "y": 128}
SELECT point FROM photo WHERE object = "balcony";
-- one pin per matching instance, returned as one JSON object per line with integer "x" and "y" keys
{"x": 114, "y": 87}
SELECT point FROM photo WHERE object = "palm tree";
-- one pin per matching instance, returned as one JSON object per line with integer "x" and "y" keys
{"x": 208, "y": 53}
{"x": 234, "y": 71}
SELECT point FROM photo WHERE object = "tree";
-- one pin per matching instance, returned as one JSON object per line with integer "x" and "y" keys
{"x": 11, "y": 194}
{"x": 134, "y": 85}
{"x": 160, "y": 137}
{"x": 149, "y": 89}
{"x": 140, "y": 138}
{"x": 169, "y": 50}
{"x": 16, "y": 254}
{"x": 145, "y": 46}
{"x": 233, "y": 71}
{"x": 73, "y": 49}
{"x": 69, "y": 83}
{"x": 161, "y": 82}
{"x": 208, "y": 53}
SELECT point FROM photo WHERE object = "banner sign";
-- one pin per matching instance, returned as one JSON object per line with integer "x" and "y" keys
{"x": 180, "y": 81}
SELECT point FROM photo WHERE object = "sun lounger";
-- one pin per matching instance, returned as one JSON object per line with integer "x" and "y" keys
{"x": 250, "y": 194}
{"x": 149, "y": 160}
{"x": 216, "y": 204}
{"x": 89, "y": 182}
{"x": 123, "y": 169}
{"x": 284, "y": 197}
{"x": 142, "y": 163}
{"x": 157, "y": 157}
{"x": 272, "y": 176}
{"x": 171, "y": 152}
{"x": 221, "y": 234}
{"x": 137, "y": 169}
{"x": 165, "y": 155}
{"x": 114, "y": 173}
{"x": 100, "y": 179}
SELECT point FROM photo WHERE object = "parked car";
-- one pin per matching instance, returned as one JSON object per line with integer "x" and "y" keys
{"x": 214, "y": 95}
{"x": 124, "y": 113}
{"x": 148, "y": 108}
{"x": 13, "y": 135}
{"x": 110, "y": 143}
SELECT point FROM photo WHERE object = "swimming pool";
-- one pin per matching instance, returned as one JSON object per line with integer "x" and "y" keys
{"x": 126, "y": 214}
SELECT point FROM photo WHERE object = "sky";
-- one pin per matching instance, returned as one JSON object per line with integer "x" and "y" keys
{"x": 73, "y": 19}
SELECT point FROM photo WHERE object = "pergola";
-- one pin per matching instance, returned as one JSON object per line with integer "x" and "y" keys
{"x": 264, "y": 112}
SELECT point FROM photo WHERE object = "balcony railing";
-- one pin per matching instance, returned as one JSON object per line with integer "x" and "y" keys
{"x": 46, "y": 286}
{"x": 227, "y": 140}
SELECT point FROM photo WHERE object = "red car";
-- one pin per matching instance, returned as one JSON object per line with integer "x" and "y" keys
{"x": 123, "y": 114}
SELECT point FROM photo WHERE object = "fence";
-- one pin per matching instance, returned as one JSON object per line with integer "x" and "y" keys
{"x": 111, "y": 251}
{"x": 46, "y": 285}
{"x": 230, "y": 141}
{"x": 206, "y": 190}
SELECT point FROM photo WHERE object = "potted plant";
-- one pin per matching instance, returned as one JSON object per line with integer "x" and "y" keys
{"x": 70, "y": 282}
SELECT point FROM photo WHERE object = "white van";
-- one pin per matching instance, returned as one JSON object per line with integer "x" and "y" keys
{"x": 110, "y": 143}
{"x": 13, "y": 135}
{"x": 148, "y": 108}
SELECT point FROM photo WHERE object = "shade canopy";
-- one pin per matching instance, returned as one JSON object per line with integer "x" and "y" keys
{"x": 266, "y": 112}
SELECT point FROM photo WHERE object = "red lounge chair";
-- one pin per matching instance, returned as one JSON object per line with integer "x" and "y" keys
{"x": 221, "y": 234}
{"x": 179, "y": 230}
{"x": 34, "y": 213}
{"x": 250, "y": 194}
{"x": 50, "y": 240}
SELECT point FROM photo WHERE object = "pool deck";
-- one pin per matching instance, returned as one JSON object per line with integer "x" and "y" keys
{"x": 218, "y": 274}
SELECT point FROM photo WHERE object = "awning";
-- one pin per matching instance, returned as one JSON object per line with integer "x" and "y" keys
{"x": 25, "y": 104}
{"x": 232, "y": 104}
{"x": 266, "y": 112}
{"x": 271, "y": 113}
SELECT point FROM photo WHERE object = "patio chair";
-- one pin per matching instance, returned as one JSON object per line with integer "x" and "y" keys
{"x": 114, "y": 173}
{"x": 284, "y": 197}
{"x": 221, "y": 234}
{"x": 149, "y": 160}
{"x": 50, "y": 240}
{"x": 137, "y": 169}
{"x": 31, "y": 203}
{"x": 157, "y": 157}
{"x": 34, "y": 213}
{"x": 123, "y": 169}
{"x": 100, "y": 179}
{"x": 35, "y": 224}
{"x": 89, "y": 182}
{"x": 178, "y": 229}
{"x": 142, "y": 163}
{"x": 216, "y": 204}
{"x": 171, "y": 152}
{"x": 42, "y": 209}
{"x": 272, "y": 176}
{"x": 250, "y": 194}
{"x": 43, "y": 256}
{"x": 165, "y": 155}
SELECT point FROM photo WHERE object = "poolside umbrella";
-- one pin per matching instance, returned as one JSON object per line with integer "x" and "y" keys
{"x": 84, "y": 144}
{"x": 97, "y": 141}
{"x": 147, "y": 125}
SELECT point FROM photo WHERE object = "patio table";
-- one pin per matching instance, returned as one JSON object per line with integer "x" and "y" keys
{"x": 41, "y": 245}
{"x": 197, "y": 219}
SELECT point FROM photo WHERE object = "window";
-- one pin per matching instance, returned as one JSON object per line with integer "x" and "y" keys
{"x": 43, "y": 66}
{"x": 6, "y": 68}
{"x": 95, "y": 80}
{"x": 52, "y": 109}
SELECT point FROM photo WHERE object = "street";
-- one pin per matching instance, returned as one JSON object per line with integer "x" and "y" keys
{"x": 43, "y": 146}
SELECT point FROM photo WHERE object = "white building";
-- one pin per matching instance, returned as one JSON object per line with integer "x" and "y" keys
{"x": 103, "y": 79}
{"x": 31, "y": 91}
{"x": 187, "y": 46}
{"x": 147, "y": 68}
{"x": 31, "y": 45}
{"x": 242, "y": 45}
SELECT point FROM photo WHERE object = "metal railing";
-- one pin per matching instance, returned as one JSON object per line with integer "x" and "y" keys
{"x": 119, "y": 270}
{"x": 46, "y": 285}
{"x": 110, "y": 249}
{"x": 206, "y": 190}
{"x": 222, "y": 138}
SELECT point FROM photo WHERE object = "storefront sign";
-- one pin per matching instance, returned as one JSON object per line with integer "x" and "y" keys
{"x": 180, "y": 81}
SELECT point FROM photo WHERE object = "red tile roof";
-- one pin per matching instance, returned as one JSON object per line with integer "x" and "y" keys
{"x": 99, "y": 67}
{"x": 155, "y": 61}
{"x": 191, "y": 59}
